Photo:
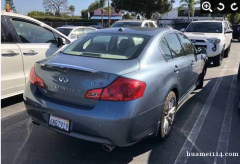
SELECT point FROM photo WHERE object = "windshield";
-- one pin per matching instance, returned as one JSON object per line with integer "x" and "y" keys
{"x": 65, "y": 31}
{"x": 205, "y": 27}
{"x": 127, "y": 24}
{"x": 110, "y": 46}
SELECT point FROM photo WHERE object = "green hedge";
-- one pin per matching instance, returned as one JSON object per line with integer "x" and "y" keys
{"x": 62, "y": 19}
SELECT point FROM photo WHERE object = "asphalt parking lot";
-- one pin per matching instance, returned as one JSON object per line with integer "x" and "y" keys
{"x": 207, "y": 122}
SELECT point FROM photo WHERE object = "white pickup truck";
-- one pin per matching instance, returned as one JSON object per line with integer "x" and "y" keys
{"x": 215, "y": 36}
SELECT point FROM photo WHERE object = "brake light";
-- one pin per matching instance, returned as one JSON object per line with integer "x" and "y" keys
{"x": 35, "y": 79}
{"x": 122, "y": 89}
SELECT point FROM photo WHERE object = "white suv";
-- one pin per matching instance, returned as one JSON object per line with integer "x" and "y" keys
{"x": 135, "y": 23}
{"x": 215, "y": 36}
{"x": 24, "y": 41}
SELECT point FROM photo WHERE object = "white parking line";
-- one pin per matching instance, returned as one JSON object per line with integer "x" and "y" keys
{"x": 226, "y": 126}
{"x": 193, "y": 135}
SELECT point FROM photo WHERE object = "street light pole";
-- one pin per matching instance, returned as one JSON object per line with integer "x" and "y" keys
{"x": 109, "y": 15}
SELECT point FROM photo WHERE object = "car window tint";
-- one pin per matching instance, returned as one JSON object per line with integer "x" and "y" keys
{"x": 151, "y": 24}
{"x": 6, "y": 38}
{"x": 32, "y": 33}
{"x": 78, "y": 32}
{"x": 165, "y": 49}
{"x": 175, "y": 46}
{"x": 146, "y": 25}
{"x": 188, "y": 47}
{"x": 87, "y": 30}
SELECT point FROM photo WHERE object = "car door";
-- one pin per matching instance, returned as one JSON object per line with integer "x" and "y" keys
{"x": 12, "y": 74}
{"x": 195, "y": 60}
{"x": 36, "y": 42}
{"x": 180, "y": 64}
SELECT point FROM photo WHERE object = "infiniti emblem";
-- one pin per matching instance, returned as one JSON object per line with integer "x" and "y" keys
{"x": 63, "y": 79}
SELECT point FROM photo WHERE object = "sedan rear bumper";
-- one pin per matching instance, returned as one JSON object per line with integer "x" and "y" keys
{"x": 115, "y": 123}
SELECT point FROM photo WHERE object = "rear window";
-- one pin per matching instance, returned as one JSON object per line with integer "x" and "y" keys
{"x": 127, "y": 24}
{"x": 108, "y": 46}
{"x": 65, "y": 31}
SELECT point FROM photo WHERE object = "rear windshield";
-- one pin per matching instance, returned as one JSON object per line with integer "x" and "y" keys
{"x": 65, "y": 31}
{"x": 127, "y": 24}
{"x": 108, "y": 46}
{"x": 205, "y": 27}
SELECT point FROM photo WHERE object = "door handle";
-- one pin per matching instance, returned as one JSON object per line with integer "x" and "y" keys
{"x": 30, "y": 53}
{"x": 176, "y": 69}
{"x": 9, "y": 54}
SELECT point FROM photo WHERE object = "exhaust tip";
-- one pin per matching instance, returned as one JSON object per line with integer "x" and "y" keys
{"x": 108, "y": 148}
{"x": 34, "y": 122}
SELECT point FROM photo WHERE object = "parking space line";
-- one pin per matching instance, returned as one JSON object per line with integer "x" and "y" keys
{"x": 226, "y": 126}
{"x": 15, "y": 125}
{"x": 193, "y": 135}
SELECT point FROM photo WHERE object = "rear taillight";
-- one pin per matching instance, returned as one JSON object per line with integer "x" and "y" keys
{"x": 122, "y": 89}
{"x": 35, "y": 80}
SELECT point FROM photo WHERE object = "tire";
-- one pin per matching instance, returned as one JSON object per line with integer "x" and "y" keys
{"x": 168, "y": 115}
{"x": 217, "y": 60}
{"x": 226, "y": 53}
{"x": 239, "y": 39}
{"x": 201, "y": 78}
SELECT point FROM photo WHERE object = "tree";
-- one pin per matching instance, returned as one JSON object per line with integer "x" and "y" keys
{"x": 101, "y": 4}
{"x": 72, "y": 9}
{"x": 127, "y": 16}
{"x": 93, "y": 6}
{"x": 84, "y": 13}
{"x": 57, "y": 6}
{"x": 190, "y": 4}
{"x": 143, "y": 7}
{"x": 234, "y": 18}
{"x": 11, "y": 4}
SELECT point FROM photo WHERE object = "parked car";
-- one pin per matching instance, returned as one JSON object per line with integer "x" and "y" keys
{"x": 75, "y": 32}
{"x": 24, "y": 41}
{"x": 135, "y": 23}
{"x": 180, "y": 25}
{"x": 96, "y": 26}
{"x": 236, "y": 32}
{"x": 215, "y": 36}
{"x": 165, "y": 26}
{"x": 116, "y": 86}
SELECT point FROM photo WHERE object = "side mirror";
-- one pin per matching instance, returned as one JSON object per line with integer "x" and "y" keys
{"x": 228, "y": 31}
{"x": 61, "y": 42}
{"x": 201, "y": 50}
{"x": 183, "y": 30}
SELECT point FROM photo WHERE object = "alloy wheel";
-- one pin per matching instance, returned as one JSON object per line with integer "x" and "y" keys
{"x": 169, "y": 116}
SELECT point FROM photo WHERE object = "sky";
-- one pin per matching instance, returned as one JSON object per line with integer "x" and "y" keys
{"x": 24, "y": 6}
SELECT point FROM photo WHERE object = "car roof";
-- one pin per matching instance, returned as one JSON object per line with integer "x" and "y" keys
{"x": 133, "y": 30}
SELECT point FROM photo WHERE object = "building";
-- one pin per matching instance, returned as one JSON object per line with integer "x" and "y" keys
{"x": 183, "y": 16}
{"x": 114, "y": 16}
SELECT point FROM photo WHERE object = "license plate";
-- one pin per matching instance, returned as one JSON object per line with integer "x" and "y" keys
{"x": 59, "y": 123}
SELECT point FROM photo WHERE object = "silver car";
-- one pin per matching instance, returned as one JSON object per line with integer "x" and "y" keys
{"x": 116, "y": 86}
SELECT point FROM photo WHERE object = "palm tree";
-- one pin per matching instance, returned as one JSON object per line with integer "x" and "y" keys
{"x": 191, "y": 6}
{"x": 72, "y": 9}
{"x": 101, "y": 4}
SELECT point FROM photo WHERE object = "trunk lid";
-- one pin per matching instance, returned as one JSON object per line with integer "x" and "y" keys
{"x": 68, "y": 78}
